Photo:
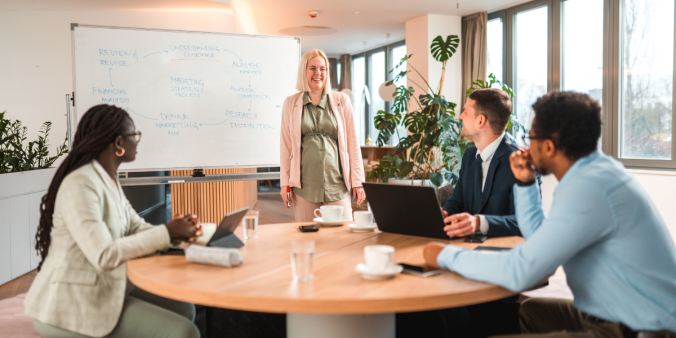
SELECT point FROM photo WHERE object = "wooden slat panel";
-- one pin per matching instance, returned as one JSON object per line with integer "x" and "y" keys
{"x": 212, "y": 200}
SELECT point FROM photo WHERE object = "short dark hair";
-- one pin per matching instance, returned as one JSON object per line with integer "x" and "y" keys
{"x": 572, "y": 120}
{"x": 496, "y": 105}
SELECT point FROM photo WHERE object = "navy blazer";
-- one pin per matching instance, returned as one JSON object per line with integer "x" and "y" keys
{"x": 497, "y": 198}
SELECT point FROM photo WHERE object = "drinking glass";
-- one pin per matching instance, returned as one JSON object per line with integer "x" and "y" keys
{"x": 250, "y": 224}
{"x": 302, "y": 257}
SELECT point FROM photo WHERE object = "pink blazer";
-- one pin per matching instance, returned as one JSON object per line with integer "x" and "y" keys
{"x": 348, "y": 145}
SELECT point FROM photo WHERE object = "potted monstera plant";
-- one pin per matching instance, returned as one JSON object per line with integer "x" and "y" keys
{"x": 433, "y": 147}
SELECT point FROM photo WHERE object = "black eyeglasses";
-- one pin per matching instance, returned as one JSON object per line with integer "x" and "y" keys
{"x": 527, "y": 138}
{"x": 137, "y": 136}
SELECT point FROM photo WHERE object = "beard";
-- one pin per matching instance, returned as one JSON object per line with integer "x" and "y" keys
{"x": 540, "y": 168}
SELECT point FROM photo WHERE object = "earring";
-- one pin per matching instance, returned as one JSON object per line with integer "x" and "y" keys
{"x": 120, "y": 154}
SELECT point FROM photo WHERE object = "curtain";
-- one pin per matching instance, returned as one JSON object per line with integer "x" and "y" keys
{"x": 345, "y": 72}
{"x": 474, "y": 50}
{"x": 333, "y": 65}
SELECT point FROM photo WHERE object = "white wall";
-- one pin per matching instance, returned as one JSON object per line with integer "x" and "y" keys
{"x": 420, "y": 32}
{"x": 36, "y": 61}
{"x": 660, "y": 185}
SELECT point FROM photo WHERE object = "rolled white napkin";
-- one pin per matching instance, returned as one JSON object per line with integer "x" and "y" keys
{"x": 214, "y": 256}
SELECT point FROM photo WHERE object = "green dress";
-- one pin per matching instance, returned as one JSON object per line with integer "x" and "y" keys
{"x": 321, "y": 175}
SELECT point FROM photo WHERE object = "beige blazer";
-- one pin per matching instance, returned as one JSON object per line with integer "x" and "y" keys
{"x": 82, "y": 283}
{"x": 348, "y": 144}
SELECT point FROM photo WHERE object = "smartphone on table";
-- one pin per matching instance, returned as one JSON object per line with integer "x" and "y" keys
{"x": 308, "y": 228}
{"x": 423, "y": 271}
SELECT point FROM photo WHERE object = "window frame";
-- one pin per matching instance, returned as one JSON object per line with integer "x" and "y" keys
{"x": 615, "y": 78}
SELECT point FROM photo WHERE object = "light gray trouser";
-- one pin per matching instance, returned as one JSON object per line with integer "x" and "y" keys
{"x": 143, "y": 315}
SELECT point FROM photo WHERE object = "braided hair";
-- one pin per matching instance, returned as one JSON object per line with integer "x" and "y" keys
{"x": 98, "y": 128}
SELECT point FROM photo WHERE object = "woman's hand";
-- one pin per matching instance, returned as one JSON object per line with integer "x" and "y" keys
{"x": 287, "y": 197}
{"x": 359, "y": 194}
{"x": 184, "y": 228}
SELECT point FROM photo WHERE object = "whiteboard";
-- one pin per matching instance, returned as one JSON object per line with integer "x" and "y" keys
{"x": 201, "y": 100}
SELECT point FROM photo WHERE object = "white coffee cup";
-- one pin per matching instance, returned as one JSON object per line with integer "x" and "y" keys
{"x": 208, "y": 230}
{"x": 378, "y": 257}
{"x": 363, "y": 218}
{"x": 330, "y": 213}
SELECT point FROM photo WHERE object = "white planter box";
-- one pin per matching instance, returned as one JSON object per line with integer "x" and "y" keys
{"x": 20, "y": 197}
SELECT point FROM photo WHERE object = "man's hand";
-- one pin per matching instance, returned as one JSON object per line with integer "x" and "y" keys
{"x": 430, "y": 253}
{"x": 522, "y": 166}
{"x": 461, "y": 225}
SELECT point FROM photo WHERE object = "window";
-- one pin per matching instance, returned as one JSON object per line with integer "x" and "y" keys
{"x": 377, "y": 76}
{"x": 647, "y": 59}
{"x": 369, "y": 71}
{"x": 358, "y": 90}
{"x": 398, "y": 53}
{"x": 531, "y": 60}
{"x": 620, "y": 52}
{"x": 494, "y": 45}
{"x": 582, "y": 48}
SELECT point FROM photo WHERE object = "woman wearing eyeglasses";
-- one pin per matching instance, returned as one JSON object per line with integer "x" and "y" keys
{"x": 88, "y": 230}
{"x": 320, "y": 154}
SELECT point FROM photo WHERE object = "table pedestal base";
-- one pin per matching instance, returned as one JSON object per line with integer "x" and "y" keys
{"x": 300, "y": 325}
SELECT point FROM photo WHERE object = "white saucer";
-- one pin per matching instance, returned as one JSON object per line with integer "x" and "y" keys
{"x": 390, "y": 272}
{"x": 356, "y": 228}
{"x": 333, "y": 223}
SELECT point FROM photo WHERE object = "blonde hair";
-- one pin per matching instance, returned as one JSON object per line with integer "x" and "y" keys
{"x": 301, "y": 82}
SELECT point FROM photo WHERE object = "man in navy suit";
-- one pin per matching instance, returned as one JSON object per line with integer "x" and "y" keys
{"x": 482, "y": 200}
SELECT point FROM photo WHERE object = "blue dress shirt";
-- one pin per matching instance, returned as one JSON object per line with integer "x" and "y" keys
{"x": 619, "y": 258}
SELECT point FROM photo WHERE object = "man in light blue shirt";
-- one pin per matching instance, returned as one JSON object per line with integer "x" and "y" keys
{"x": 619, "y": 258}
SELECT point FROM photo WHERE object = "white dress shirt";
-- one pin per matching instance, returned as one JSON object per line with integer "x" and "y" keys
{"x": 116, "y": 190}
{"x": 486, "y": 157}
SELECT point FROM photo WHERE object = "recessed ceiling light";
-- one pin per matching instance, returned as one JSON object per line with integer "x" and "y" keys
{"x": 356, "y": 12}
{"x": 223, "y": 1}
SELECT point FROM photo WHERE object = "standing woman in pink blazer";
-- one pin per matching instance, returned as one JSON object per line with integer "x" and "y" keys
{"x": 320, "y": 154}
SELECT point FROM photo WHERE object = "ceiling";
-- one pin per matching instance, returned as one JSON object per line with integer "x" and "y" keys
{"x": 375, "y": 18}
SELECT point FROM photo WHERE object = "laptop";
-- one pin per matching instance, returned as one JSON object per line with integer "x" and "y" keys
{"x": 224, "y": 236}
{"x": 406, "y": 209}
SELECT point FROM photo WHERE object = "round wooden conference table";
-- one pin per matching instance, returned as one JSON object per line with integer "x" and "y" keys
{"x": 338, "y": 302}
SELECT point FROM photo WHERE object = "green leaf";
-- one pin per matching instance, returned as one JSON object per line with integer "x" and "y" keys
{"x": 386, "y": 123}
{"x": 401, "y": 62}
{"x": 444, "y": 50}
{"x": 406, "y": 168}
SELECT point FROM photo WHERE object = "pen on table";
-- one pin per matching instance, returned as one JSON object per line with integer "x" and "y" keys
{"x": 176, "y": 181}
